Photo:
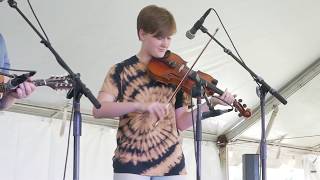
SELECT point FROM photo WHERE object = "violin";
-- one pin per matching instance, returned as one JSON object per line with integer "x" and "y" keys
{"x": 171, "y": 69}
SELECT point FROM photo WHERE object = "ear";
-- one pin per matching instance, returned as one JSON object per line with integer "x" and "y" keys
{"x": 141, "y": 34}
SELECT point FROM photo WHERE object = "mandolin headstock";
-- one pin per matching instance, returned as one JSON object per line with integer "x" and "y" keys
{"x": 56, "y": 82}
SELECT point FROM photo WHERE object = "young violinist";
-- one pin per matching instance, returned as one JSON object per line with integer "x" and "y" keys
{"x": 147, "y": 150}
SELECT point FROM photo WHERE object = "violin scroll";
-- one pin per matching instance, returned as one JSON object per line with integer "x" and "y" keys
{"x": 242, "y": 109}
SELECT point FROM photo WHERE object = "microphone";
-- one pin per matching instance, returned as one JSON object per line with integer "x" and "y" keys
{"x": 13, "y": 83}
{"x": 213, "y": 113}
{"x": 191, "y": 33}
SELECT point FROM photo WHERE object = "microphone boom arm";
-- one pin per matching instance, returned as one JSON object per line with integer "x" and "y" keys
{"x": 76, "y": 92}
{"x": 256, "y": 78}
{"x": 262, "y": 89}
{"x": 75, "y": 77}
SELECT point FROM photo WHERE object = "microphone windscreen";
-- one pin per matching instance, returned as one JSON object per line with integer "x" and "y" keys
{"x": 189, "y": 35}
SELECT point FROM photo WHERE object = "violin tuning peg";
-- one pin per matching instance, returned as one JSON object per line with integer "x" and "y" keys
{"x": 244, "y": 105}
{"x": 240, "y": 100}
{"x": 239, "y": 115}
{"x": 235, "y": 110}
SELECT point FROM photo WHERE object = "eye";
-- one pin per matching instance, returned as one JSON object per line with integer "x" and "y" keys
{"x": 159, "y": 38}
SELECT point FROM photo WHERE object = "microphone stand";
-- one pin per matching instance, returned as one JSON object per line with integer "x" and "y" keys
{"x": 196, "y": 92}
{"x": 262, "y": 90}
{"x": 76, "y": 92}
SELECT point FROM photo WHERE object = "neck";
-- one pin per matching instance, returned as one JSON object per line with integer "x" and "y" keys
{"x": 144, "y": 57}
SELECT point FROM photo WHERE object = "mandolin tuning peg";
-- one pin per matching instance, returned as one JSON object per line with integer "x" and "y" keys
{"x": 240, "y": 100}
{"x": 235, "y": 110}
{"x": 239, "y": 115}
{"x": 244, "y": 105}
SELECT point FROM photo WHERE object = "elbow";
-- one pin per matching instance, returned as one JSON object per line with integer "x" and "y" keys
{"x": 182, "y": 122}
{"x": 100, "y": 113}
{"x": 95, "y": 113}
{"x": 181, "y": 127}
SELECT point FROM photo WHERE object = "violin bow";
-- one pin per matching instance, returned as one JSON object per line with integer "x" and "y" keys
{"x": 189, "y": 70}
{"x": 186, "y": 74}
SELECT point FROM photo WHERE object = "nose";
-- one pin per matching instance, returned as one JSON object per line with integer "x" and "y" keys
{"x": 165, "y": 42}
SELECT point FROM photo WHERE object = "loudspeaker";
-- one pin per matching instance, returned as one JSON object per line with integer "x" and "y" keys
{"x": 250, "y": 167}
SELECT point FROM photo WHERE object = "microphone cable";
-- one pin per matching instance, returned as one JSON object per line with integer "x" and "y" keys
{"x": 231, "y": 41}
{"x": 34, "y": 14}
{"x": 69, "y": 132}
{"x": 68, "y": 145}
{"x": 228, "y": 35}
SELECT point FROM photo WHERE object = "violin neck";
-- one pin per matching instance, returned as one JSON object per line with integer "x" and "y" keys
{"x": 211, "y": 86}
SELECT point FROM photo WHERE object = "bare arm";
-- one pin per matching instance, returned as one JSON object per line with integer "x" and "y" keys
{"x": 110, "y": 109}
{"x": 184, "y": 118}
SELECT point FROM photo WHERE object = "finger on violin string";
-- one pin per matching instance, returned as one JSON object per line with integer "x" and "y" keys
{"x": 222, "y": 100}
{"x": 229, "y": 96}
{"x": 226, "y": 92}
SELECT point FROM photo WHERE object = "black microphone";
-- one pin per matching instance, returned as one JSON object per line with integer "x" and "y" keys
{"x": 13, "y": 83}
{"x": 191, "y": 33}
{"x": 215, "y": 112}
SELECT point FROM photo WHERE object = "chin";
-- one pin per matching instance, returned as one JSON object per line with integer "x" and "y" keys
{"x": 159, "y": 54}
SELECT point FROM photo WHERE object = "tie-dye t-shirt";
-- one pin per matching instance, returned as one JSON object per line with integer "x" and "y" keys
{"x": 142, "y": 147}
